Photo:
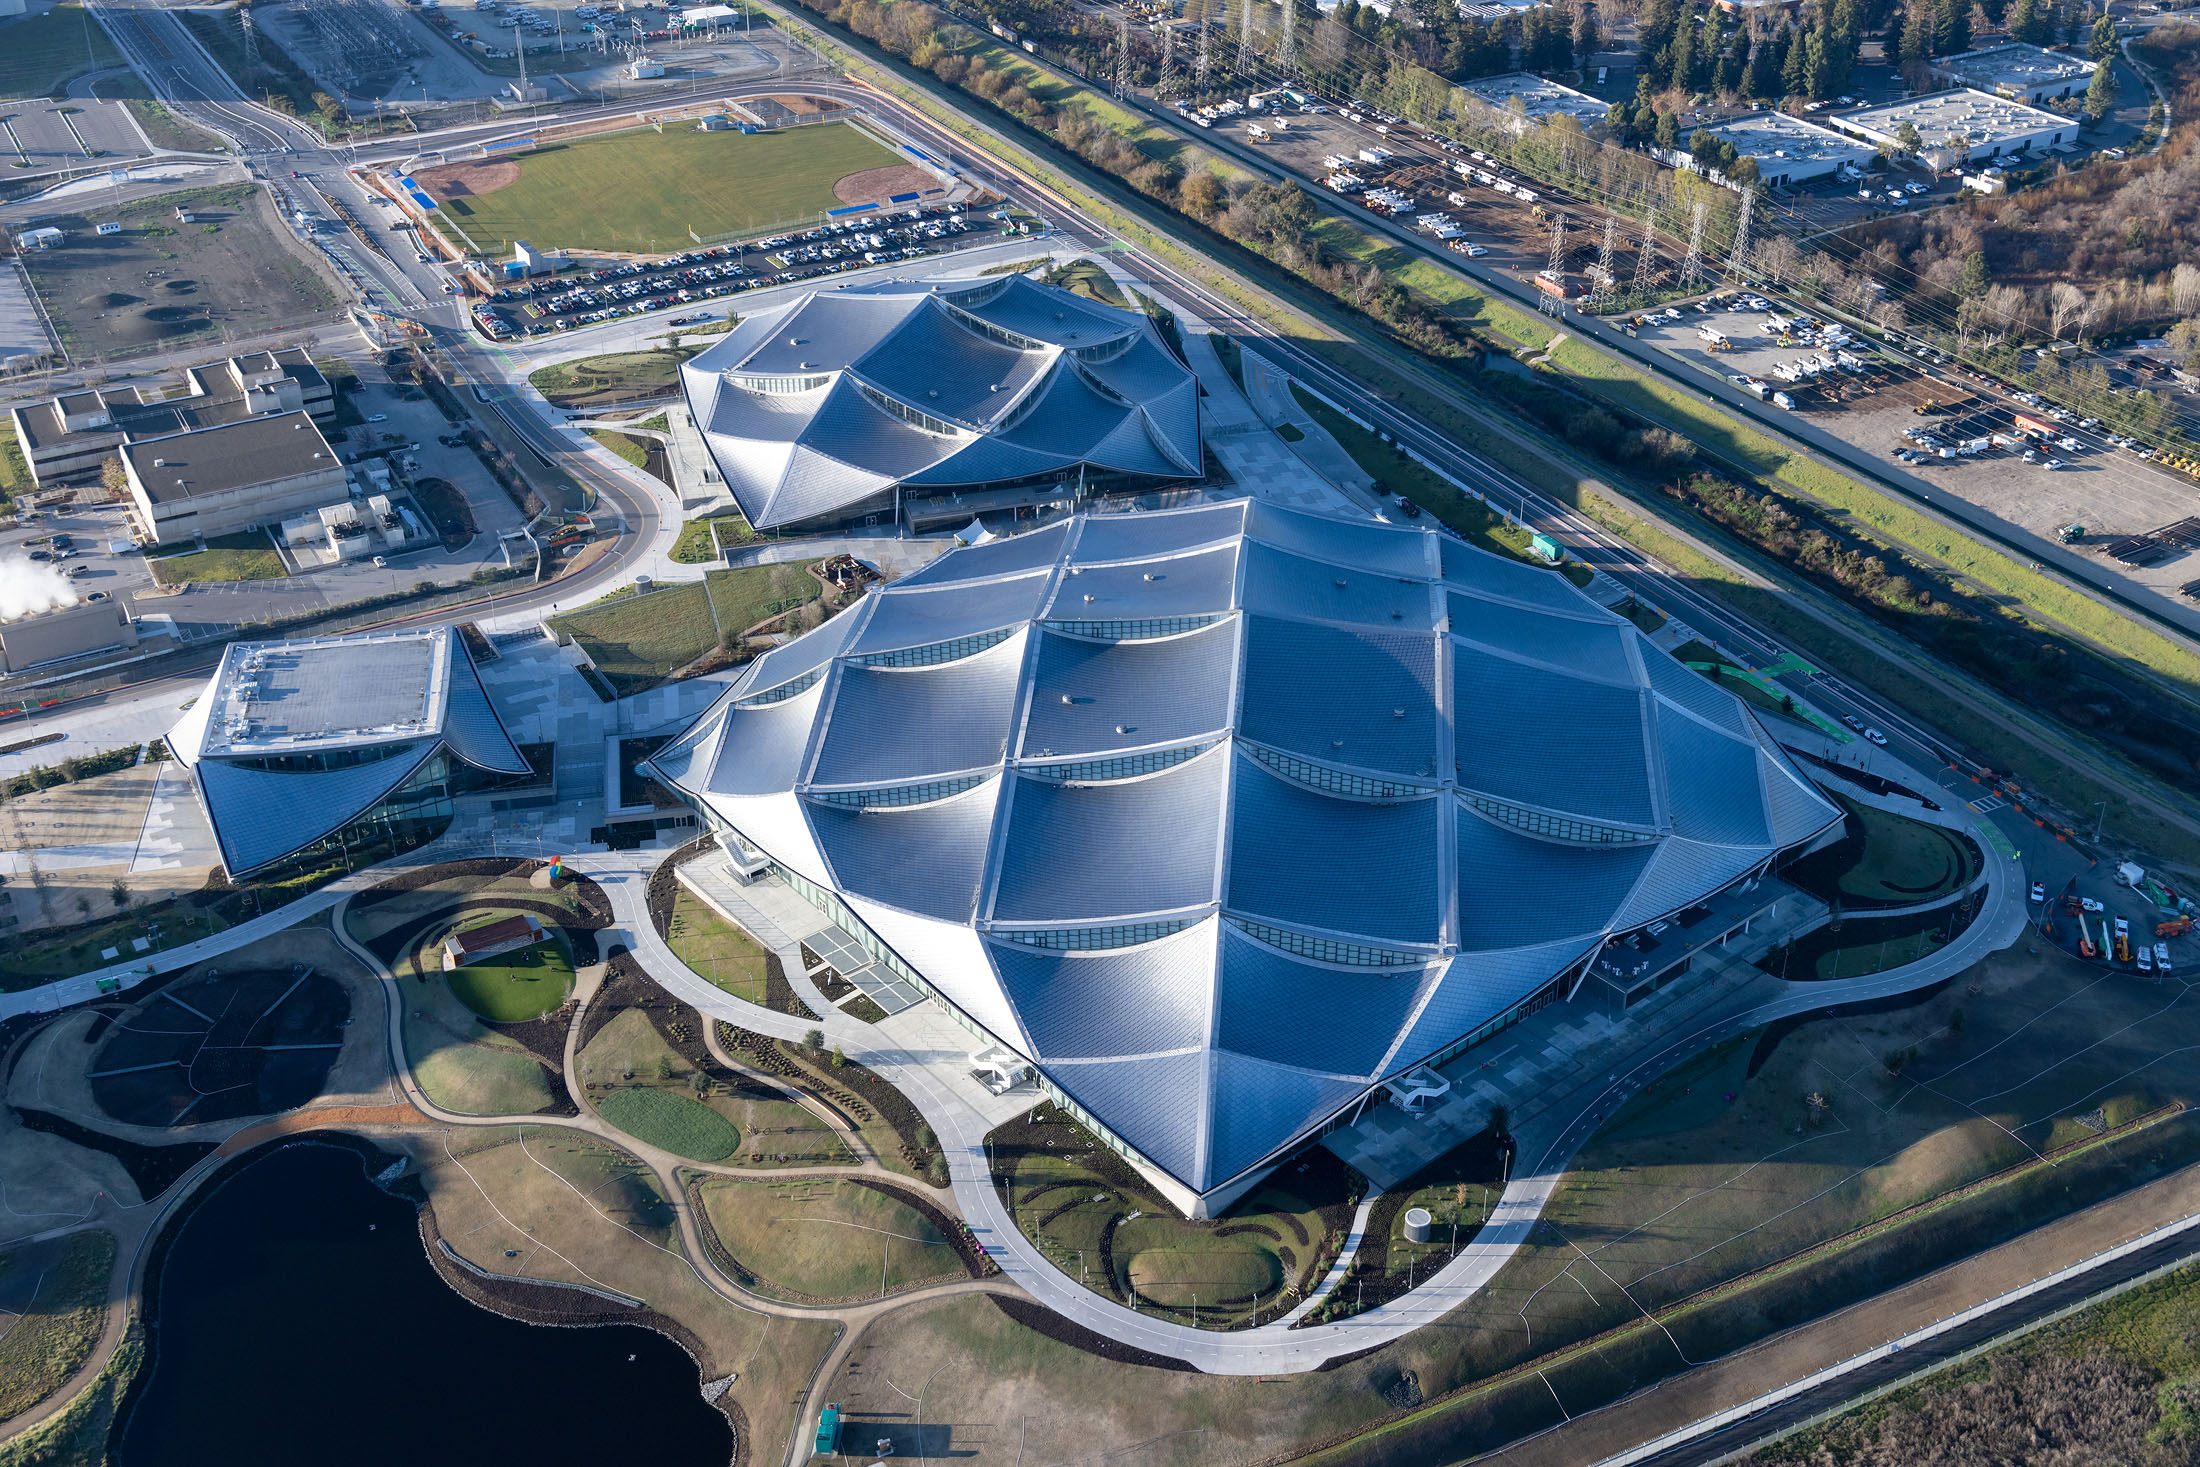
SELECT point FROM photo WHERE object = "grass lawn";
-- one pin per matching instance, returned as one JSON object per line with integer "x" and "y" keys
{"x": 167, "y": 130}
{"x": 745, "y": 595}
{"x": 826, "y": 1239}
{"x": 53, "y": 1317}
{"x": 15, "y": 472}
{"x": 614, "y": 377}
{"x": 639, "y": 641}
{"x": 666, "y": 185}
{"x": 462, "y": 1065}
{"x": 514, "y": 987}
{"x": 633, "y": 450}
{"x": 1068, "y": 1195}
{"x": 671, "y": 1122}
{"x": 247, "y": 555}
{"x": 715, "y": 948}
{"x": 40, "y": 52}
{"x": 1088, "y": 279}
{"x": 38, "y": 958}
{"x": 704, "y": 541}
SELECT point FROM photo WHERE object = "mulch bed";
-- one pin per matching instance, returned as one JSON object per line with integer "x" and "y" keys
{"x": 153, "y": 1169}
{"x": 831, "y": 984}
{"x": 853, "y": 1087}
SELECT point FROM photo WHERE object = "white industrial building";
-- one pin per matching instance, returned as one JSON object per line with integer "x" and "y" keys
{"x": 2017, "y": 72}
{"x": 1537, "y": 100}
{"x": 1788, "y": 150}
{"x": 1965, "y": 125}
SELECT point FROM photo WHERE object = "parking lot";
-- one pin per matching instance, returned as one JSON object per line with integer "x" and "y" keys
{"x": 93, "y": 569}
{"x": 1975, "y": 463}
{"x": 632, "y": 288}
{"x": 46, "y": 135}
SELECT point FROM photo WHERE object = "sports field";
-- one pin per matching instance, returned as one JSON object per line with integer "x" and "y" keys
{"x": 643, "y": 191}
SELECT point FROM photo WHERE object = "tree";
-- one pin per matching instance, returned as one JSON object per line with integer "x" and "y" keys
{"x": 2100, "y": 94}
{"x": 813, "y": 1040}
{"x": 2032, "y": 23}
{"x": 1909, "y": 137}
{"x": 840, "y": 1061}
{"x": 1669, "y": 131}
{"x": 2102, "y": 44}
{"x": 119, "y": 893}
{"x": 1973, "y": 285}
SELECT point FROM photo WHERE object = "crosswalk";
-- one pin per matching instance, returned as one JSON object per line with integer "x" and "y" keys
{"x": 1989, "y": 804}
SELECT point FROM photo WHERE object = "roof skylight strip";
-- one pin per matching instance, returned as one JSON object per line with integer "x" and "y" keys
{"x": 1336, "y": 950}
{"x": 1125, "y": 766}
{"x": 784, "y": 691}
{"x": 1098, "y": 939}
{"x": 1558, "y": 827}
{"x": 1335, "y": 781}
{"x": 931, "y": 654}
{"x": 1135, "y": 629}
{"x": 900, "y": 795}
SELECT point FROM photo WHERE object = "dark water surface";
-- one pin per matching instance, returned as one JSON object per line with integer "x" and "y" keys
{"x": 291, "y": 1331}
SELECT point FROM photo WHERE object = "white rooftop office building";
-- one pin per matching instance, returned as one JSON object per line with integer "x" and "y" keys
{"x": 2018, "y": 72}
{"x": 1536, "y": 100}
{"x": 1223, "y": 817}
{"x": 1967, "y": 125}
{"x": 1789, "y": 150}
{"x": 833, "y": 408}
{"x": 294, "y": 745}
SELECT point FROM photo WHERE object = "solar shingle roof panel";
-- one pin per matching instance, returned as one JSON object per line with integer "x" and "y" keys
{"x": 1101, "y": 697}
{"x": 1587, "y": 648}
{"x": 1035, "y": 550}
{"x": 1389, "y": 897}
{"x": 1137, "y": 536}
{"x": 1469, "y": 569}
{"x": 1373, "y": 706}
{"x": 923, "y": 616}
{"x": 943, "y": 719}
{"x": 1713, "y": 784}
{"x": 1198, "y": 584}
{"x": 1266, "y": 997}
{"x": 1131, "y": 1000}
{"x": 1545, "y": 739}
{"x": 1279, "y": 583}
{"x": 1516, "y": 890}
{"x": 1081, "y": 853}
{"x": 924, "y": 858}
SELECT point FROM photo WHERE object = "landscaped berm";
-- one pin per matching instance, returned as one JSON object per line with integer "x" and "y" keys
{"x": 667, "y": 184}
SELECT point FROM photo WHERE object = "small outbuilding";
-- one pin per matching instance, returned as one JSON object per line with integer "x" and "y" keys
{"x": 494, "y": 939}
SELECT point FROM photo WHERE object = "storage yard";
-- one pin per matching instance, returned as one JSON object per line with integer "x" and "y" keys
{"x": 1967, "y": 442}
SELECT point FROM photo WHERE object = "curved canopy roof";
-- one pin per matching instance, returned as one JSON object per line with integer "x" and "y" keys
{"x": 292, "y": 741}
{"x": 820, "y": 406}
{"x": 1142, "y": 795}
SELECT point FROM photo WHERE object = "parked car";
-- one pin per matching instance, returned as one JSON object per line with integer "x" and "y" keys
{"x": 2039, "y": 891}
{"x": 2088, "y": 904}
{"x": 378, "y": 417}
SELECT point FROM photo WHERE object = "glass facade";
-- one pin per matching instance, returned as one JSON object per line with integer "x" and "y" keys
{"x": 1331, "y": 950}
{"x": 409, "y": 816}
{"x": 1335, "y": 781}
{"x": 1557, "y": 827}
{"x": 1097, "y": 939}
{"x": 900, "y": 794}
{"x": 1128, "y": 766}
{"x": 317, "y": 761}
{"x": 1149, "y": 629}
{"x": 784, "y": 691}
{"x": 933, "y": 654}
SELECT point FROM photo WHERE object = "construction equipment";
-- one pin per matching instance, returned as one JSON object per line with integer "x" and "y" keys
{"x": 2176, "y": 928}
{"x": 2070, "y": 534}
{"x": 2086, "y": 949}
{"x": 2123, "y": 940}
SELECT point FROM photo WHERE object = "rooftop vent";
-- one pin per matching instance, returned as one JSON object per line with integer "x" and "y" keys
{"x": 1340, "y": 583}
{"x": 160, "y": 463}
{"x": 1151, "y": 576}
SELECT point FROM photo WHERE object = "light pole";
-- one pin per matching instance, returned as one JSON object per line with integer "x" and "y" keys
{"x": 2100, "y": 819}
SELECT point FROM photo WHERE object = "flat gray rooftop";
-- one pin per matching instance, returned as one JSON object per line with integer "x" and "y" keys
{"x": 327, "y": 693}
{"x": 2015, "y": 65}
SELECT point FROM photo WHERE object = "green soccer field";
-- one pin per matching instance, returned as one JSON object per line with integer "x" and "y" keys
{"x": 643, "y": 191}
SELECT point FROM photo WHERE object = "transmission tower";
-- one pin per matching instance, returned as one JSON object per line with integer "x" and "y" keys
{"x": 251, "y": 43}
{"x": 1123, "y": 54}
{"x": 1646, "y": 254}
{"x": 1736, "y": 260}
{"x": 1200, "y": 67}
{"x": 1607, "y": 281}
{"x": 1287, "y": 49}
{"x": 1167, "y": 81}
{"x": 1551, "y": 304}
{"x": 1692, "y": 267}
{"x": 1248, "y": 55}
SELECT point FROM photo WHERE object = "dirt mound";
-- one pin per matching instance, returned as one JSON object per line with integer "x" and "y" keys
{"x": 107, "y": 300}
{"x": 467, "y": 180}
{"x": 875, "y": 185}
{"x": 168, "y": 315}
{"x": 181, "y": 287}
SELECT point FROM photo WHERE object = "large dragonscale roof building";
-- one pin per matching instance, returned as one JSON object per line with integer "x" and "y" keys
{"x": 1224, "y": 816}
{"x": 819, "y": 412}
